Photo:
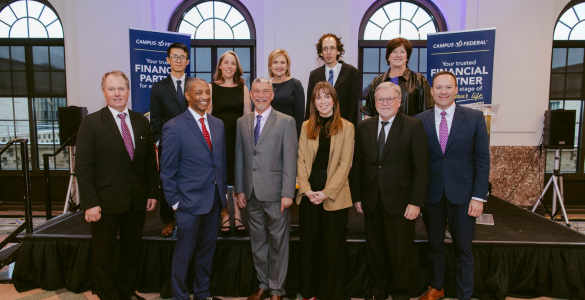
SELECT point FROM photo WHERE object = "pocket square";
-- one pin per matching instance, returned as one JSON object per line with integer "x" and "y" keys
{"x": 142, "y": 137}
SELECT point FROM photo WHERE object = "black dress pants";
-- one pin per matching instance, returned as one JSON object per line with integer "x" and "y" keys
{"x": 389, "y": 241}
{"x": 103, "y": 243}
{"x": 323, "y": 250}
{"x": 167, "y": 214}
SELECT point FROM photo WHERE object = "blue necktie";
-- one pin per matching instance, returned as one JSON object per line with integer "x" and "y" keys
{"x": 257, "y": 129}
{"x": 180, "y": 92}
{"x": 330, "y": 77}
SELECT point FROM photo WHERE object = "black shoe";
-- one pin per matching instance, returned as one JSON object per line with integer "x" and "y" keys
{"x": 212, "y": 298}
{"x": 136, "y": 297}
{"x": 376, "y": 297}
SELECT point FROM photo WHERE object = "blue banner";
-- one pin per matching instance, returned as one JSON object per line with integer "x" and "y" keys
{"x": 470, "y": 56}
{"x": 148, "y": 64}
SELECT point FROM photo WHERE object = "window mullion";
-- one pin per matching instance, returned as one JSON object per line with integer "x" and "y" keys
{"x": 30, "y": 96}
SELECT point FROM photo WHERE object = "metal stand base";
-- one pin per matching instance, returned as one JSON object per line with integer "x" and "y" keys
{"x": 72, "y": 188}
{"x": 557, "y": 180}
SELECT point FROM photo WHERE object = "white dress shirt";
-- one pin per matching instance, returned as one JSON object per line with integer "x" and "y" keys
{"x": 449, "y": 117}
{"x": 182, "y": 82}
{"x": 386, "y": 128}
{"x": 336, "y": 71}
{"x": 265, "y": 115}
{"x": 126, "y": 120}
{"x": 197, "y": 117}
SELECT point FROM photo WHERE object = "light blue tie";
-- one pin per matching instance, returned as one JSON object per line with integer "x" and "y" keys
{"x": 257, "y": 129}
{"x": 330, "y": 77}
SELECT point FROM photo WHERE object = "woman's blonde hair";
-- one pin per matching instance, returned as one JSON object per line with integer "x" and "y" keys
{"x": 272, "y": 57}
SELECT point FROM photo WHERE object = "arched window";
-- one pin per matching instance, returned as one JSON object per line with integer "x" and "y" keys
{"x": 216, "y": 27}
{"x": 567, "y": 81}
{"x": 385, "y": 20}
{"x": 32, "y": 81}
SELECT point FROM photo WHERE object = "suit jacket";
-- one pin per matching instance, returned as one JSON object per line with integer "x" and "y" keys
{"x": 164, "y": 105}
{"x": 268, "y": 168}
{"x": 346, "y": 87}
{"x": 401, "y": 177}
{"x": 105, "y": 174}
{"x": 340, "y": 155}
{"x": 463, "y": 171}
{"x": 189, "y": 169}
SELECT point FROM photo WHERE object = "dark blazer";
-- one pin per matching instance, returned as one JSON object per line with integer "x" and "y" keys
{"x": 346, "y": 87}
{"x": 188, "y": 168}
{"x": 463, "y": 171}
{"x": 401, "y": 178}
{"x": 105, "y": 174}
{"x": 164, "y": 105}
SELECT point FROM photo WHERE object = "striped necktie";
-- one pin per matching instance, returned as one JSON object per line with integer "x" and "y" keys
{"x": 257, "y": 129}
{"x": 330, "y": 77}
{"x": 126, "y": 136}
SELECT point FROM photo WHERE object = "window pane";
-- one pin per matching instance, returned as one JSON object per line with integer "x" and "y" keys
{"x": 58, "y": 83}
{"x": 372, "y": 32}
{"x": 42, "y": 82}
{"x": 383, "y": 62}
{"x": 247, "y": 80}
{"x": 575, "y": 61}
{"x": 557, "y": 85}
{"x": 17, "y": 56}
{"x": 19, "y": 83}
{"x": 223, "y": 50}
{"x": 568, "y": 160}
{"x": 21, "y": 109}
{"x": 580, "y": 10}
{"x": 6, "y": 132}
{"x": 413, "y": 61}
{"x": 192, "y": 60}
{"x": 421, "y": 17}
{"x": 203, "y": 59}
{"x": 192, "y": 17}
{"x": 205, "y": 30}
{"x": 422, "y": 63}
{"x": 371, "y": 59}
{"x": 6, "y": 110}
{"x": 393, "y": 10}
{"x": 187, "y": 28}
{"x": 19, "y": 29}
{"x": 40, "y": 58}
{"x": 576, "y": 106}
{"x": 220, "y": 9}
{"x": 555, "y": 104}
{"x": 561, "y": 32}
{"x": 19, "y": 9}
{"x": 569, "y": 18}
{"x": 408, "y": 31}
{"x": 36, "y": 29}
{"x": 34, "y": 9}
{"x": 47, "y": 16}
{"x": 204, "y": 76}
{"x": 574, "y": 84}
{"x": 5, "y": 84}
{"x": 578, "y": 32}
{"x": 367, "y": 82}
{"x": 57, "y": 58}
{"x": 392, "y": 31}
{"x": 428, "y": 28}
{"x": 4, "y": 58}
{"x": 55, "y": 30}
{"x": 379, "y": 18}
{"x": 244, "y": 56}
{"x": 559, "y": 60}
{"x": 206, "y": 9}
{"x": 234, "y": 17}
{"x": 408, "y": 10}
{"x": 550, "y": 160}
{"x": 241, "y": 31}
{"x": 7, "y": 16}
{"x": 222, "y": 30}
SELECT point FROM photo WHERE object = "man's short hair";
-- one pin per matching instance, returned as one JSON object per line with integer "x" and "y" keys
{"x": 389, "y": 85}
{"x": 338, "y": 43}
{"x": 261, "y": 80}
{"x": 190, "y": 81}
{"x": 179, "y": 46}
{"x": 445, "y": 73}
{"x": 117, "y": 73}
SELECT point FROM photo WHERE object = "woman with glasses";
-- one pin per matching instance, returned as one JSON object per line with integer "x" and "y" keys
{"x": 230, "y": 99}
{"x": 324, "y": 159}
{"x": 416, "y": 91}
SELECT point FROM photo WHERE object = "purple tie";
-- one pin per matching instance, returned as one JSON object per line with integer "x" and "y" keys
{"x": 126, "y": 136}
{"x": 443, "y": 132}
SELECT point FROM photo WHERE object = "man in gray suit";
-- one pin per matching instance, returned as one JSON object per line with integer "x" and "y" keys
{"x": 265, "y": 175}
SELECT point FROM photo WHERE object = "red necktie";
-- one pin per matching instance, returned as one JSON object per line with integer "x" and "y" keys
{"x": 206, "y": 133}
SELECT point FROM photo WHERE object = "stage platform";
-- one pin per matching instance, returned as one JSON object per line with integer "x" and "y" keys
{"x": 523, "y": 254}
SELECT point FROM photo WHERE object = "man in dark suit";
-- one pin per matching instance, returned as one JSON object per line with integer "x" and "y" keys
{"x": 118, "y": 182}
{"x": 194, "y": 178}
{"x": 459, "y": 166}
{"x": 167, "y": 100}
{"x": 342, "y": 76}
{"x": 390, "y": 169}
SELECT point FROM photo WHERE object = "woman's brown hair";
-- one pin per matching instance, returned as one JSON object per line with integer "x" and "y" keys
{"x": 395, "y": 43}
{"x": 218, "y": 76}
{"x": 334, "y": 124}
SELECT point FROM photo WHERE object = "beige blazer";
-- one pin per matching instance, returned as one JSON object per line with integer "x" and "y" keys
{"x": 340, "y": 157}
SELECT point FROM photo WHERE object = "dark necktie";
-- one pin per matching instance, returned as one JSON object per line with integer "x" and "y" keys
{"x": 330, "y": 77}
{"x": 257, "y": 129}
{"x": 180, "y": 92}
{"x": 126, "y": 136}
{"x": 381, "y": 141}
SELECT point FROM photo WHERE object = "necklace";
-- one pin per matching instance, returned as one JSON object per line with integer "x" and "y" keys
{"x": 274, "y": 88}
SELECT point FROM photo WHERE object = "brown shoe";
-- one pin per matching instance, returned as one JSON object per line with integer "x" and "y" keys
{"x": 168, "y": 229}
{"x": 433, "y": 294}
{"x": 274, "y": 297}
{"x": 259, "y": 294}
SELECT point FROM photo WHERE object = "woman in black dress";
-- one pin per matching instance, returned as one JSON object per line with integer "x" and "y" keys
{"x": 289, "y": 94}
{"x": 230, "y": 99}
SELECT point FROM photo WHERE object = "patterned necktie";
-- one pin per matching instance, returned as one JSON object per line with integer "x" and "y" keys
{"x": 126, "y": 136}
{"x": 180, "y": 92}
{"x": 206, "y": 133}
{"x": 381, "y": 141}
{"x": 330, "y": 77}
{"x": 257, "y": 129}
{"x": 443, "y": 132}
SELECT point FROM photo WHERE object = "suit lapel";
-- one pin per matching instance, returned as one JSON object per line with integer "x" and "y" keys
{"x": 431, "y": 129}
{"x": 137, "y": 137}
{"x": 341, "y": 77}
{"x": 173, "y": 89}
{"x": 394, "y": 130}
{"x": 109, "y": 119}
{"x": 374, "y": 135}
{"x": 458, "y": 117}
{"x": 321, "y": 74}
{"x": 267, "y": 125}
{"x": 195, "y": 128}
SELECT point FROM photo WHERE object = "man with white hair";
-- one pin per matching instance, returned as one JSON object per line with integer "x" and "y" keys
{"x": 265, "y": 177}
{"x": 390, "y": 175}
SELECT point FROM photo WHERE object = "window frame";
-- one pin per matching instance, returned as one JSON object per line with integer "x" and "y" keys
{"x": 36, "y": 165}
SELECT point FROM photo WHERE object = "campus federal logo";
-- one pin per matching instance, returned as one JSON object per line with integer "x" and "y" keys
{"x": 161, "y": 43}
{"x": 460, "y": 43}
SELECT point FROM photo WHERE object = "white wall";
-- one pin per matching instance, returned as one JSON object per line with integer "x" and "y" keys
{"x": 96, "y": 41}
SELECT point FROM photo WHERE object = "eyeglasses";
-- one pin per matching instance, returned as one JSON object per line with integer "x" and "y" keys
{"x": 178, "y": 58}
{"x": 387, "y": 100}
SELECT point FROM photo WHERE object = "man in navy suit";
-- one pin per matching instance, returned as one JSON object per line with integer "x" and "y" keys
{"x": 194, "y": 178}
{"x": 459, "y": 167}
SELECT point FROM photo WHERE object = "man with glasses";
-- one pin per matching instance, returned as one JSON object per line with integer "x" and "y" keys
{"x": 342, "y": 76}
{"x": 390, "y": 175}
{"x": 167, "y": 100}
